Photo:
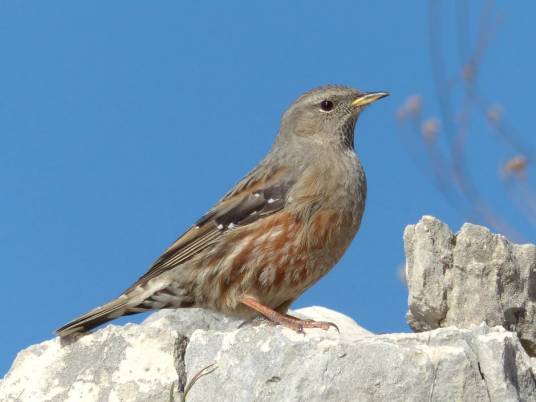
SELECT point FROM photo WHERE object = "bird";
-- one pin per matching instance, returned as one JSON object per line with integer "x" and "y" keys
{"x": 274, "y": 234}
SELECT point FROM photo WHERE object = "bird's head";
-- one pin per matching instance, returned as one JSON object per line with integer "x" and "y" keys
{"x": 326, "y": 115}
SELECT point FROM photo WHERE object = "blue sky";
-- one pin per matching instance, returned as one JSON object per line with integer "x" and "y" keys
{"x": 123, "y": 122}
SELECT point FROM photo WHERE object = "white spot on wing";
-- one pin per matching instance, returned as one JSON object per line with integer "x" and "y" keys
{"x": 220, "y": 226}
{"x": 271, "y": 201}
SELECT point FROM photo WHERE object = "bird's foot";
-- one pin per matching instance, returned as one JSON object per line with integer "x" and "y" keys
{"x": 306, "y": 323}
{"x": 298, "y": 324}
{"x": 285, "y": 320}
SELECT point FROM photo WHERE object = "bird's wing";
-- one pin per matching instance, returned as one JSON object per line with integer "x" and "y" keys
{"x": 261, "y": 193}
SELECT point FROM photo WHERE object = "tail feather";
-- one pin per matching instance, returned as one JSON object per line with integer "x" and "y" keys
{"x": 114, "y": 309}
{"x": 156, "y": 295}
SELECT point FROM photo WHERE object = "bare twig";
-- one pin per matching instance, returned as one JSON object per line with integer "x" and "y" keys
{"x": 201, "y": 373}
{"x": 460, "y": 103}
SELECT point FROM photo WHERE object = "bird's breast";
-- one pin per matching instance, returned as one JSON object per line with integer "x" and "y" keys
{"x": 330, "y": 201}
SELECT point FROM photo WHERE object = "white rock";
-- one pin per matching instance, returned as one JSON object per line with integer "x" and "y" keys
{"x": 153, "y": 361}
{"x": 468, "y": 278}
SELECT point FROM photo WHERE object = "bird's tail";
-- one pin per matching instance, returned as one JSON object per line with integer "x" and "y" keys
{"x": 121, "y": 306}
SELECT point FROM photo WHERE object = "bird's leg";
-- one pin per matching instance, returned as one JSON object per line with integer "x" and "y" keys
{"x": 286, "y": 320}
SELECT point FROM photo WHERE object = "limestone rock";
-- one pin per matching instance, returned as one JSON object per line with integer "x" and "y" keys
{"x": 158, "y": 359}
{"x": 468, "y": 278}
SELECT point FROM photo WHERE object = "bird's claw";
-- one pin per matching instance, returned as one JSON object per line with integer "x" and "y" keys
{"x": 325, "y": 325}
{"x": 298, "y": 325}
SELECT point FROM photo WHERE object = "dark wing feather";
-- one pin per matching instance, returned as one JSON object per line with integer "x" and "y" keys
{"x": 255, "y": 197}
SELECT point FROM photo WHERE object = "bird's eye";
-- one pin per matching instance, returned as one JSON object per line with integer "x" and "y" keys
{"x": 326, "y": 105}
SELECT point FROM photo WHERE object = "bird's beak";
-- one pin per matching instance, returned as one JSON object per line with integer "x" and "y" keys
{"x": 368, "y": 98}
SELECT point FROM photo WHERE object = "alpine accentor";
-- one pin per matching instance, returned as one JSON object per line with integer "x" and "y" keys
{"x": 277, "y": 232}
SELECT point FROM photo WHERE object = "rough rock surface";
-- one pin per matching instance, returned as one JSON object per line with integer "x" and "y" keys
{"x": 468, "y": 278}
{"x": 156, "y": 360}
